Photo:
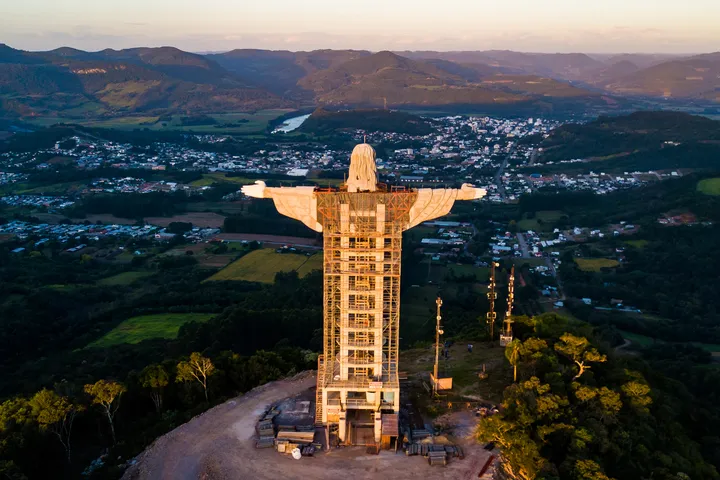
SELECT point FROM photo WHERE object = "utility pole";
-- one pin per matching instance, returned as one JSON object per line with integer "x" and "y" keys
{"x": 438, "y": 332}
{"x": 492, "y": 296}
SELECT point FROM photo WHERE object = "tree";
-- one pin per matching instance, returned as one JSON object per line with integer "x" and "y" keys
{"x": 639, "y": 395}
{"x": 512, "y": 353}
{"x": 55, "y": 414}
{"x": 520, "y": 454}
{"x": 156, "y": 378}
{"x": 589, "y": 470}
{"x": 107, "y": 395}
{"x": 198, "y": 368}
{"x": 532, "y": 351}
{"x": 579, "y": 351}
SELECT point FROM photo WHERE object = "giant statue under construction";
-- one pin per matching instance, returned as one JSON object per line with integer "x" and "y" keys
{"x": 362, "y": 223}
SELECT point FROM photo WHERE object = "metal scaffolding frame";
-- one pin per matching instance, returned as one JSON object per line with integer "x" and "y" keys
{"x": 362, "y": 236}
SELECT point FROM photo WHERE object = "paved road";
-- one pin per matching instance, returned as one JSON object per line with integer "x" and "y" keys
{"x": 523, "y": 245}
{"x": 561, "y": 290}
{"x": 497, "y": 180}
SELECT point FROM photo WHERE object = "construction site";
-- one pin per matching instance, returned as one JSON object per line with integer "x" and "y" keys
{"x": 360, "y": 415}
{"x": 274, "y": 430}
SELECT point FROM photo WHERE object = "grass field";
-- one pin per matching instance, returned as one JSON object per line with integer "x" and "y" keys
{"x": 125, "y": 278}
{"x": 481, "y": 274}
{"x": 210, "y": 178}
{"x": 709, "y": 186}
{"x": 637, "y": 243}
{"x": 546, "y": 220}
{"x": 638, "y": 339}
{"x": 595, "y": 264}
{"x": 262, "y": 265}
{"x": 645, "y": 341}
{"x": 464, "y": 367}
{"x": 226, "y": 122}
{"x": 136, "y": 329}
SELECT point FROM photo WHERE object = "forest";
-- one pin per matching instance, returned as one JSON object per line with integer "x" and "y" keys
{"x": 577, "y": 410}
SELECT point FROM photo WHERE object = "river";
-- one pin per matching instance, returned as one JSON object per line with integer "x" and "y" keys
{"x": 291, "y": 124}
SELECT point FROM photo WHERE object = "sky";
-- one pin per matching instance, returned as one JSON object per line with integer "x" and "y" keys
{"x": 592, "y": 26}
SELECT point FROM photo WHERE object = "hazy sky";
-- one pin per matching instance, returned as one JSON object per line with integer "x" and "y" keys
{"x": 671, "y": 26}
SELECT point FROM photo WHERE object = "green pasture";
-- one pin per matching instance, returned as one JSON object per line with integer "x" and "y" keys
{"x": 543, "y": 221}
{"x": 595, "y": 264}
{"x": 125, "y": 278}
{"x": 709, "y": 186}
{"x": 136, "y": 329}
{"x": 262, "y": 265}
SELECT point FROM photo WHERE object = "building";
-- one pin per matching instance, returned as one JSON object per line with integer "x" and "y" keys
{"x": 362, "y": 223}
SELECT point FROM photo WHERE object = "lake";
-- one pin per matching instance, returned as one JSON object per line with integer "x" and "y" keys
{"x": 291, "y": 124}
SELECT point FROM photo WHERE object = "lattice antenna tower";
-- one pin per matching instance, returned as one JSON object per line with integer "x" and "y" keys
{"x": 507, "y": 335}
{"x": 492, "y": 296}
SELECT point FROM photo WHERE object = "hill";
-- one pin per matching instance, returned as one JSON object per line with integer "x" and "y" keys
{"x": 78, "y": 84}
{"x": 280, "y": 70}
{"x": 638, "y": 141}
{"x": 695, "y": 77}
{"x": 323, "y": 121}
{"x": 566, "y": 66}
{"x": 387, "y": 79}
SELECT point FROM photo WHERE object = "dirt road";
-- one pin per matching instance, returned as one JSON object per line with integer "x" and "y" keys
{"x": 220, "y": 445}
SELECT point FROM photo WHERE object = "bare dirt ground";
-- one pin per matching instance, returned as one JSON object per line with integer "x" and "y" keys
{"x": 220, "y": 445}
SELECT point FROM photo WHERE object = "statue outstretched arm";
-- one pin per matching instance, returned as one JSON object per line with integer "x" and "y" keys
{"x": 294, "y": 202}
{"x": 433, "y": 203}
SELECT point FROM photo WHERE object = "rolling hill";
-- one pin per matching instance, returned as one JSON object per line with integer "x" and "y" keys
{"x": 74, "y": 83}
{"x": 695, "y": 77}
{"x": 388, "y": 79}
{"x": 640, "y": 141}
{"x": 280, "y": 70}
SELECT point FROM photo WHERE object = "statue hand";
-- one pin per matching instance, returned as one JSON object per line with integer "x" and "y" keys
{"x": 471, "y": 193}
{"x": 256, "y": 190}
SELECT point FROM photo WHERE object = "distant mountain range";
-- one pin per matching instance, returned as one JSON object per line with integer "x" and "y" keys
{"x": 71, "y": 83}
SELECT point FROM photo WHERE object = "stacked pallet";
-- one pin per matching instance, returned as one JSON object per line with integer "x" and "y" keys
{"x": 427, "y": 449}
{"x": 437, "y": 458}
{"x": 265, "y": 442}
{"x": 454, "y": 451}
{"x": 265, "y": 428}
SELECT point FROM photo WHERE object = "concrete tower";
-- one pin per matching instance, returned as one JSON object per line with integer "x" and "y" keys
{"x": 362, "y": 224}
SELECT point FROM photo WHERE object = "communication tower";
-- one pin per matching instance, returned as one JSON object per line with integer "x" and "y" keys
{"x": 507, "y": 335}
{"x": 492, "y": 296}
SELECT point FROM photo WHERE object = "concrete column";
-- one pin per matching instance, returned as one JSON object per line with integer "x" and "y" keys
{"x": 378, "y": 427}
{"x": 342, "y": 427}
{"x": 324, "y": 405}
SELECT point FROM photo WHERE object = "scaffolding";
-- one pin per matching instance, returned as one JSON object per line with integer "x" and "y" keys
{"x": 507, "y": 334}
{"x": 362, "y": 236}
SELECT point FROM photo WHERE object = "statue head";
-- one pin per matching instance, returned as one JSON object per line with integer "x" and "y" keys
{"x": 362, "y": 176}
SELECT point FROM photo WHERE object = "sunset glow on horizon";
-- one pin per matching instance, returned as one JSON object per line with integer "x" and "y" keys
{"x": 212, "y": 25}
